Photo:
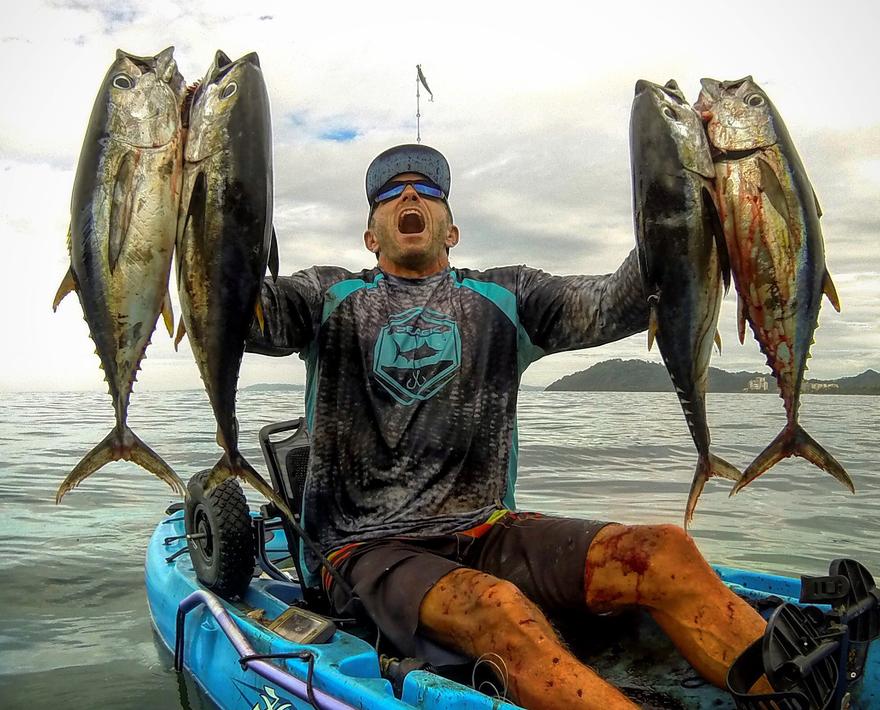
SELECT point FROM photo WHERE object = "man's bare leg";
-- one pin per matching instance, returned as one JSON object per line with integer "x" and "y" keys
{"x": 476, "y": 613}
{"x": 660, "y": 568}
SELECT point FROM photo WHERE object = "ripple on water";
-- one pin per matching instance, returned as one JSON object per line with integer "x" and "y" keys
{"x": 73, "y": 604}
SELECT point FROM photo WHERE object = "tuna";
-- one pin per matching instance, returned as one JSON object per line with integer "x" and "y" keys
{"x": 682, "y": 257}
{"x": 770, "y": 217}
{"x": 224, "y": 239}
{"x": 123, "y": 216}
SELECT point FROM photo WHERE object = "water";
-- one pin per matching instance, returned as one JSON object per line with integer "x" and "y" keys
{"x": 74, "y": 622}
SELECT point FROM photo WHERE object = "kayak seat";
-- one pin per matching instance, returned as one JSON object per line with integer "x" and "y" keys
{"x": 285, "y": 448}
{"x": 287, "y": 459}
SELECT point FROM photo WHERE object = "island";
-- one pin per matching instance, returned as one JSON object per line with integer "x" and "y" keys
{"x": 641, "y": 376}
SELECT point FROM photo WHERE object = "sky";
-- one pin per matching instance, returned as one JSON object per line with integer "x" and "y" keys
{"x": 531, "y": 109}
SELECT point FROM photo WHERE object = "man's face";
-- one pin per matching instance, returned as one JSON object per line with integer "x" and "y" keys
{"x": 411, "y": 233}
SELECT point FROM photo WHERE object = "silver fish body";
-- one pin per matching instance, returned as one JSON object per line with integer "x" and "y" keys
{"x": 225, "y": 237}
{"x": 122, "y": 229}
{"x": 681, "y": 254}
{"x": 770, "y": 217}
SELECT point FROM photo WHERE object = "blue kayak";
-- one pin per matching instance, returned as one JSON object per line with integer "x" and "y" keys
{"x": 223, "y": 589}
{"x": 240, "y": 662}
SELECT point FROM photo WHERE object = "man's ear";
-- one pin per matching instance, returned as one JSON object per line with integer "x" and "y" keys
{"x": 370, "y": 242}
{"x": 452, "y": 236}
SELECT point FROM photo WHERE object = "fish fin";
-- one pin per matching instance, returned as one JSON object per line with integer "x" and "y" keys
{"x": 717, "y": 230}
{"x": 195, "y": 216}
{"x": 672, "y": 87}
{"x": 653, "y": 327}
{"x": 191, "y": 226}
{"x": 186, "y": 106}
{"x": 238, "y": 466}
{"x": 99, "y": 456}
{"x": 181, "y": 331}
{"x": 773, "y": 189}
{"x": 741, "y": 315}
{"x": 711, "y": 86}
{"x": 121, "y": 208}
{"x": 221, "y": 59}
{"x": 273, "y": 256}
{"x": 165, "y": 64}
{"x": 149, "y": 460}
{"x": 261, "y": 320}
{"x": 718, "y": 341}
{"x": 119, "y": 445}
{"x": 68, "y": 284}
{"x": 168, "y": 314}
{"x": 829, "y": 289}
{"x": 707, "y": 467}
{"x": 794, "y": 441}
{"x": 818, "y": 206}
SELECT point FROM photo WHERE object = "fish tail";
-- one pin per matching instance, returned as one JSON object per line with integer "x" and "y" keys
{"x": 807, "y": 447}
{"x": 148, "y": 459}
{"x": 794, "y": 441}
{"x": 708, "y": 465}
{"x": 99, "y": 456}
{"x": 120, "y": 444}
{"x": 239, "y": 467}
{"x": 723, "y": 469}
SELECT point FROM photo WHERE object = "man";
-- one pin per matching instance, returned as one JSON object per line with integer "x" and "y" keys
{"x": 413, "y": 372}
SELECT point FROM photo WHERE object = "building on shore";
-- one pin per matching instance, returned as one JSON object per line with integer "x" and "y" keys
{"x": 820, "y": 386}
{"x": 757, "y": 384}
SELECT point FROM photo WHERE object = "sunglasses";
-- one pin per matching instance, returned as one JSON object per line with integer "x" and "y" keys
{"x": 393, "y": 190}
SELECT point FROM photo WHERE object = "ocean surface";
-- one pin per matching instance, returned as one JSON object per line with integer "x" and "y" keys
{"x": 74, "y": 623}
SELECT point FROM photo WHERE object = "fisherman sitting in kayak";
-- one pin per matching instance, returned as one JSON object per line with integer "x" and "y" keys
{"x": 413, "y": 373}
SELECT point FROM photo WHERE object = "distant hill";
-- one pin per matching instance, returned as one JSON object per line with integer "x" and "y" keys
{"x": 640, "y": 376}
{"x": 273, "y": 387}
{"x": 283, "y": 387}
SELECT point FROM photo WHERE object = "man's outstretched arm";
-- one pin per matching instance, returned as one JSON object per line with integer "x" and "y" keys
{"x": 291, "y": 307}
{"x": 570, "y": 312}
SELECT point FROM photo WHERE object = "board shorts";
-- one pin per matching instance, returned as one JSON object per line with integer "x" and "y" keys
{"x": 544, "y": 556}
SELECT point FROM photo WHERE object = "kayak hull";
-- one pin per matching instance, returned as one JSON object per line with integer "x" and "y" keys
{"x": 634, "y": 654}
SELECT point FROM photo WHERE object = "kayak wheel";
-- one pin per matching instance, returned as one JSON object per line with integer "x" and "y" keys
{"x": 222, "y": 542}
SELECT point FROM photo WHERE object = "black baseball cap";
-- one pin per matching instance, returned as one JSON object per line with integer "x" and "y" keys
{"x": 407, "y": 158}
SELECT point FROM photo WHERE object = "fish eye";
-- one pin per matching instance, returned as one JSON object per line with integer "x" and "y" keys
{"x": 229, "y": 90}
{"x": 755, "y": 100}
{"x": 669, "y": 113}
{"x": 123, "y": 81}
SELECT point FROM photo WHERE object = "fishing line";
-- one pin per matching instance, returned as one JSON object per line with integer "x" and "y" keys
{"x": 500, "y": 671}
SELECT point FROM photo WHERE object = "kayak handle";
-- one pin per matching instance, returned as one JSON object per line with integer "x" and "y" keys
{"x": 301, "y": 689}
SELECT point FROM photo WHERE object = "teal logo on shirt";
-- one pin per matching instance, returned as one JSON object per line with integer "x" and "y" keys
{"x": 416, "y": 354}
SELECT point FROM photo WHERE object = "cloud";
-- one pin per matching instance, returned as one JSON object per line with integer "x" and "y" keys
{"x": 115, "y": 15}
{"x": 532, "y": 111}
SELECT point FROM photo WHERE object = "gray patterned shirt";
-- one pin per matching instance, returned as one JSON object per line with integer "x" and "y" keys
{"x": 412, "y": 384}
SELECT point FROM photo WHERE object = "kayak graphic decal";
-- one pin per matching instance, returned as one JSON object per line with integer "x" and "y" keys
{"x": 268, "y": 696}
{"x": 416, "y": 354}
{"x": 270, "y": 701}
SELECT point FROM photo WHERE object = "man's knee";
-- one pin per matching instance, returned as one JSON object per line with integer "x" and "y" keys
{"x": 639, "y": 563}
{"x": 483, "y": 606}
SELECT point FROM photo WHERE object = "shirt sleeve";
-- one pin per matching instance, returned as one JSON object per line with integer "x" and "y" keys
{"x": 570, "y": 312}
{"x": 291, "y": 314}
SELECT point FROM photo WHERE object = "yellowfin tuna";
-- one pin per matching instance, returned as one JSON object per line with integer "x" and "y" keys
{"x": 770, "y": 216}
{"x": 122, "y": 227}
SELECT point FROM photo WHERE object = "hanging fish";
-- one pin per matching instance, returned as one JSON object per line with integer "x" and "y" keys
{"x": 123, "y": 217}
{"x": 682, "y": 256}
{"x": 225, "y": 238}
{"x": 770, "y": 217}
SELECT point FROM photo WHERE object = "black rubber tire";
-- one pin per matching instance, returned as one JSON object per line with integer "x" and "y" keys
{"x": 224, "y": 560}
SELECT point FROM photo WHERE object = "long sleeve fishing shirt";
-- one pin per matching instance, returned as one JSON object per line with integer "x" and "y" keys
{"x": 412, "y": 384}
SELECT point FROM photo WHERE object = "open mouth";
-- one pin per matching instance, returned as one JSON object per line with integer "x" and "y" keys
{"x": 410, "y": 222}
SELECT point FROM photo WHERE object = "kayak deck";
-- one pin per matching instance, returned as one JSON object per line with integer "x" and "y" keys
{"x": 628, "y": 650}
